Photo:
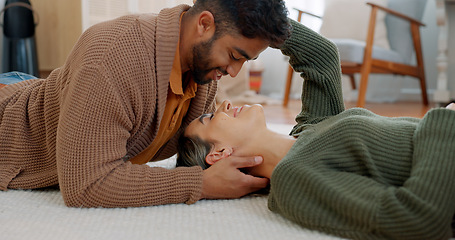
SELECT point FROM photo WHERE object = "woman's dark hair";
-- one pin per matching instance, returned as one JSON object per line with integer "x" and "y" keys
{"x": 192, "y": 152}
{"x": 265, "y": 19}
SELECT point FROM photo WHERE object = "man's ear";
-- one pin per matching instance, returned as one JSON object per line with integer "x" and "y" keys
{"x": 206, "y": 23}
{"x": 216, "y": 155}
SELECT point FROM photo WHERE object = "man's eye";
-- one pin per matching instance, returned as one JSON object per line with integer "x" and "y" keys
{"x": 233, "y": 57}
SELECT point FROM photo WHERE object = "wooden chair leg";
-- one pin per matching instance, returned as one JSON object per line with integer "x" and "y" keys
{"x": 424, "y": 91}
{"x": 364, "y": 74}
{"x": 367, "y": 60}
{"x": 362, "y": 90}
{"x": 419, "y": 56}
{"x": 287, "y": 89}
{"x": 352, "y": 78}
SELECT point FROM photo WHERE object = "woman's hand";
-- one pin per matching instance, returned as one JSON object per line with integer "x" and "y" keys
{"x": 224, "y": 179}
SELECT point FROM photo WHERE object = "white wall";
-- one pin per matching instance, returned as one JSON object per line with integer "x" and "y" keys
{"x": 380, "y": 88}
{"x": 95, "y": 11}
{"x": 451, "y": 51}
{"x": 158, "y": 5}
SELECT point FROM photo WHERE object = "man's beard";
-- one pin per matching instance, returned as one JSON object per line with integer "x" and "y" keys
{"x": 201, "y": 60}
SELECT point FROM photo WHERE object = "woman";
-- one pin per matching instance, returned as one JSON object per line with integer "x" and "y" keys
{"x": 349, "y": 173}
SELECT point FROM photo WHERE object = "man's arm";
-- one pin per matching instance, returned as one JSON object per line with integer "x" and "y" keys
{"x": 109, "y": 98}
{"x": 92, "y": 139}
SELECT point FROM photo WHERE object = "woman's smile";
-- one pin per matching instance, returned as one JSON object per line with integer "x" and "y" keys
{"x": 237, "y": 111}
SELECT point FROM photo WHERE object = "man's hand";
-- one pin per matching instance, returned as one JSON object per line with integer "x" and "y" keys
{"x": 451, "y": 106}
{"x": 224, "y": 179}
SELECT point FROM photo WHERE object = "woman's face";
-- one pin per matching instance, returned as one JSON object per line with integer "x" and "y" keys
{"x": 229, "y": 125}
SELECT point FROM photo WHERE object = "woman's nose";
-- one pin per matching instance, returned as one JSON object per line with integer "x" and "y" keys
{"x": 225, "y": 106}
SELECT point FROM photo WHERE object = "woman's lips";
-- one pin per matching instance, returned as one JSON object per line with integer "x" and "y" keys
{"x": 237, "y": 111}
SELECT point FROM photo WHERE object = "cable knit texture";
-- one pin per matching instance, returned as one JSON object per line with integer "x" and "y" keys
{"x": 78, "y": 127}
{"x": 356, "y": 174}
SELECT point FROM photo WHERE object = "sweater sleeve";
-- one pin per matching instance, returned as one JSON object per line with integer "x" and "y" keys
{"x": 109, "y": 95}
{"x": 424, "y": 206}
{"x": 317, "y": 60}
{"x": 318, "y": 192}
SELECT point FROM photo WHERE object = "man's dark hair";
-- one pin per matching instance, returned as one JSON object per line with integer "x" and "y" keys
{"x": 266, "y": 19}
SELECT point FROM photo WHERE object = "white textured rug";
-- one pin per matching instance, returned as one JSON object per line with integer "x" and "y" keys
{"x": 42, "y": 214}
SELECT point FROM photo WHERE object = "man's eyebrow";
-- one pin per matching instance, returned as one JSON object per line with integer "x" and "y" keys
{"x": 244, "y": 54}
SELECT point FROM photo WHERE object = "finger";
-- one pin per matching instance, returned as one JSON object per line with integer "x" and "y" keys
{"x": 246, "y": 162}
{"x": 257, "y": 182}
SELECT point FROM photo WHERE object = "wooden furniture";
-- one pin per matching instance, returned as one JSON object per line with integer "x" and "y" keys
{"x": 373, "y": 65}
{"x": 59, "y": 28}
{"x": 381, "y": 60}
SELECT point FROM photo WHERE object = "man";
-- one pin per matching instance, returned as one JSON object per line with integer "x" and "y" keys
{"x": 125, "y": 93}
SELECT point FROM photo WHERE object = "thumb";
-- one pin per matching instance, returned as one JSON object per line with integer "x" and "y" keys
{"x": 246, "y": 162}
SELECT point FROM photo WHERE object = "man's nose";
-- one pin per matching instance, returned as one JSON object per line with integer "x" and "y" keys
{"x": 234, "y": 68}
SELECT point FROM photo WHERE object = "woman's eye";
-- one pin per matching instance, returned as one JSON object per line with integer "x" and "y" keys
{"x": 211, "y": 116}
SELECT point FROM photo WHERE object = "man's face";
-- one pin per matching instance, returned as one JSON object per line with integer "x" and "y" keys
{"x": 201, "y": 62}
{"x": 214, "y": 58}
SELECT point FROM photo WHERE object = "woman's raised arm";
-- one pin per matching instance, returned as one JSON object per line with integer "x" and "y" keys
{"x": 317, "y": 60}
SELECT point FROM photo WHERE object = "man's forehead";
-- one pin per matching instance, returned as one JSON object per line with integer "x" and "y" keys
{"x": 246, "y": 52}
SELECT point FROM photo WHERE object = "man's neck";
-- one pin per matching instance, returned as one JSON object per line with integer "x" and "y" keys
{"x": 186, "y": 79}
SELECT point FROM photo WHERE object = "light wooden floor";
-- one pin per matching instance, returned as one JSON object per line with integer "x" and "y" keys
{"x": 280, "y": 114}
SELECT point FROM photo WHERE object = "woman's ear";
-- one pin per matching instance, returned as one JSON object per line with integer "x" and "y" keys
{"x": 216, "y": 155}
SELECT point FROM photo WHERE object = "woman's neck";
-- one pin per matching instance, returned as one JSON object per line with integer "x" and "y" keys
{"x": 272, "y": 147}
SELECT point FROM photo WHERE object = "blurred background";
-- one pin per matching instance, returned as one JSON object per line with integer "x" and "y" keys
{"x": 62, "y": 21}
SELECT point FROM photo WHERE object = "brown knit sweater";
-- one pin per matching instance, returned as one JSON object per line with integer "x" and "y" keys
{"x": 78, "y": 127}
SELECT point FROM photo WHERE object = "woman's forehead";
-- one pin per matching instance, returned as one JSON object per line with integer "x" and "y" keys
{"x": 194, "y": 128}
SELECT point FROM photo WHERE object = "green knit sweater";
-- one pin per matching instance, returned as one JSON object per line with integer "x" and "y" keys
{"x": 356, "y": 174}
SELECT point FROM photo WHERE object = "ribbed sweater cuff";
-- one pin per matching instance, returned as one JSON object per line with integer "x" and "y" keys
{"x": 193, "y": 180}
